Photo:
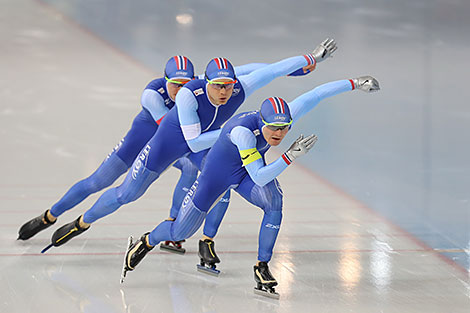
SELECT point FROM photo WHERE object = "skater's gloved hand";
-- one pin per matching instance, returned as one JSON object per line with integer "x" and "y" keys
{"x": 300, "y": 147}
{"x": 324, "y": 50}
{"x": 366, "y": 83}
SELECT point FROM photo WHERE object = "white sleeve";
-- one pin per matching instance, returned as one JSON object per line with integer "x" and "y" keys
{"x": 187, "y": 114}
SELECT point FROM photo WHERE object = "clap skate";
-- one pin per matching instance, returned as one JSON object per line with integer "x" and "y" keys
{"x": 136, "y": 251}
{"x": 34, "y": 226}
{"x": 208, "y": 258}
{"x": 265, "y": 281}
{"x": 173, "y": 246}
{"x": 65, "y": 233}
{"x": 124, "y": 267}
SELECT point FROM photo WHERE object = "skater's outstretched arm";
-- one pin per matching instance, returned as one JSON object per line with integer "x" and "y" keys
{"x": 242, "y": 69}
{"x": 306, "y": 102}
{"x": 265, "y": 75}
{"x": 187, "y": 103}
{"x": 245, "y": 140}
{"x": 250, "y": 67}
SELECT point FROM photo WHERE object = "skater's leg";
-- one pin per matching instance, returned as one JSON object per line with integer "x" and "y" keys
{"x": 188, "y": 221}
{"x": 116, "y": 163}
{"x": 269, "y": 199}
{"x": 133, "y": 187}
{"x": 215, "y": 216}
{"x": 104, "y": 176}
{"x": 159, "y": 153}
{"x": 109, "y": 202}
{"x": 183, "y": 227}
{"x": 142, "y": 131}
{"x": 198, "y": 201}
{"x": 189, "y": 167}
{"x": 188, "y": 175}
{"x": 206, "y": 251}
{"x": 190, "y": 216}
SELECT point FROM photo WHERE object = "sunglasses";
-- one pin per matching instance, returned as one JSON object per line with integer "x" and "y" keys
{"x": 277, "y": 126}
{"x": 176, "y": 83}
{"x": 220, "y": 85}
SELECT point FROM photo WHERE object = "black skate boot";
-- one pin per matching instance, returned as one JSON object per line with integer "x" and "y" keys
{"x": 136, "y": 251}
{"x": 173, "y": 246}
{"x": 265, "y": 281}
{"x": 208, "y": 258}
{"x": 65, "y": 233}
{"x": 34, "y": 226}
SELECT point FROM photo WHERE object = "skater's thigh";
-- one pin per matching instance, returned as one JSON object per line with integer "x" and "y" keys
{"x": 143, "y": 128}
{"x": 198, "y": 159}
{"x": 206, "y": 194}
{"x": 208, "y": 189}
{"x": 267, "y": 197}
{"x": 163, "y": 149}
{"x": 215, "y": 179}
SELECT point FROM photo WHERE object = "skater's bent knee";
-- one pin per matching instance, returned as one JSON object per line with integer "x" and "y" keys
{"x": 125, "y": 197}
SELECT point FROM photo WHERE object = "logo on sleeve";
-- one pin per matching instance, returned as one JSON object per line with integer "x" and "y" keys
{"x": 249, "y": 155}
{"x": 161, "y": 90}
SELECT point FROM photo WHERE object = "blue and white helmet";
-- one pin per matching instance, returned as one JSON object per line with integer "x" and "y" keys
{"x": 219, "y": 68}
{"x": 275, "y": 111}
{"x": 179, "y": 67}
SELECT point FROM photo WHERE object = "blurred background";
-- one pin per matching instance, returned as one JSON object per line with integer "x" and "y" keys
{"x": 403, "y": 152}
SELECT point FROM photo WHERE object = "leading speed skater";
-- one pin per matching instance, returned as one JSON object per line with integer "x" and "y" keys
{"x": 236, "y": 161}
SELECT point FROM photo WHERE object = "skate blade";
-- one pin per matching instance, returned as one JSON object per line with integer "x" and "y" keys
{"x": 124, "y": 270}
{"x": 265, "y": 293}
{"x": 47, "y": 248}
{"x": 206, "y": 270}
{"x": 172, "y": 249}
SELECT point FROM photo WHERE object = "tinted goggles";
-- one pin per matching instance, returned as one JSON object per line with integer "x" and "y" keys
{"x": 219, "y": 85}
{"x": 277, "y": 126}
{"x": 176, "y": 83}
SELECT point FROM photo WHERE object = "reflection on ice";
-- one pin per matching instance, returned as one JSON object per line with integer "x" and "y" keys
{"x": 350, "y": 266}
{"x": 380, "y": 265}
